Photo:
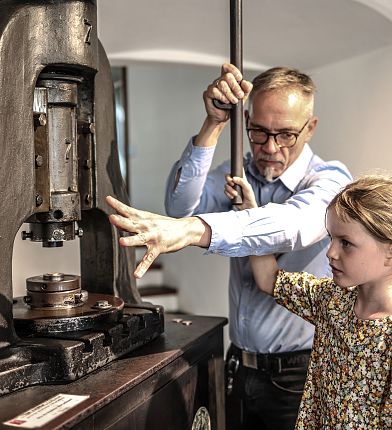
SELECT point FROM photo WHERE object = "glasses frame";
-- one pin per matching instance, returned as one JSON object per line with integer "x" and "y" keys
{"x": 274, "y": 135}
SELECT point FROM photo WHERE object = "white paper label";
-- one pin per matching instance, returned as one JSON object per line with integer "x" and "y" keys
{"x": 46, "y": 411}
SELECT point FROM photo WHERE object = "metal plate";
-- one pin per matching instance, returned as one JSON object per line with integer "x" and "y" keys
{"x": 58, "y": 320}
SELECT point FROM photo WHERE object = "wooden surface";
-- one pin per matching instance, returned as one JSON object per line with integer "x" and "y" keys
{"x": 165, "y": 381}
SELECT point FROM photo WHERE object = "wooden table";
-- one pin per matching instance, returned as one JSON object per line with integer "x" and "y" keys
{"x": 159, "y": 386}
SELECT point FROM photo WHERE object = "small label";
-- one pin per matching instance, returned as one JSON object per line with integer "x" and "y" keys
{"x": 46, "y": 411}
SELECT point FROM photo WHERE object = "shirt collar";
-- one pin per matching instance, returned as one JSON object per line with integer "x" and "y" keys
{"x": 294, "y": 174}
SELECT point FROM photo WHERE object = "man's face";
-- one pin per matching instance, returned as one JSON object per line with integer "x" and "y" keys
{"x": 277, "y": 111}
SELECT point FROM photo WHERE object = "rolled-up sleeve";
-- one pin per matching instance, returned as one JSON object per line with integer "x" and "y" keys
{"x": 279, "y": 227}
{"x": 192, "y": 188}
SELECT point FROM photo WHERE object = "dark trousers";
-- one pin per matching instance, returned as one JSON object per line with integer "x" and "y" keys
{"x": 266, "y": 398}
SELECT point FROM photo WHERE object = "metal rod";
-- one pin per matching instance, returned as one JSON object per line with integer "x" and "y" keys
{"x": 237, "y": 113}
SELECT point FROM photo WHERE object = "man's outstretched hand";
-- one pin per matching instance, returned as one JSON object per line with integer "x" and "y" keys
{"x": 160, "y": 234}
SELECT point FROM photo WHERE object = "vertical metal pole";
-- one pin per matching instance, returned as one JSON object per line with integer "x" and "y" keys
{"x": 237, "y": 113}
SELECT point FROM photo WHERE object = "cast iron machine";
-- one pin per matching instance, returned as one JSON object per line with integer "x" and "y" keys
{"x": 58, "y": 162}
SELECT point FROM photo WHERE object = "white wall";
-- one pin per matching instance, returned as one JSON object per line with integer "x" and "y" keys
{"x": 354, "y": 103}
{"x": 166, "y": 108}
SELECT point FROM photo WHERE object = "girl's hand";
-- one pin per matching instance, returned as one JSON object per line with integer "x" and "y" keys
{"x": 248, "y": 196}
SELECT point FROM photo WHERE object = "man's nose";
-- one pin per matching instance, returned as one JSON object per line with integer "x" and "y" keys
{"x": 271, "y": 147}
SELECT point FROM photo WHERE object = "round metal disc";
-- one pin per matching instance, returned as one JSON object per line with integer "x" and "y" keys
{"x": 52, "y": 320}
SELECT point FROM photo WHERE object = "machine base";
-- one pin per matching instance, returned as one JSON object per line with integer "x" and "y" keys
{"x": 40, "y": 358}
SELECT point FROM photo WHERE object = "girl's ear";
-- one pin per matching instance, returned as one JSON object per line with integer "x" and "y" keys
{"x": 388, "y": 255}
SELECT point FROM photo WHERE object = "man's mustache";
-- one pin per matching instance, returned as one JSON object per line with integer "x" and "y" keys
{"x": 262, "y": 157}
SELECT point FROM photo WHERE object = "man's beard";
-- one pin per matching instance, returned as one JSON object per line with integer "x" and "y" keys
{"x": 268, "y": 173}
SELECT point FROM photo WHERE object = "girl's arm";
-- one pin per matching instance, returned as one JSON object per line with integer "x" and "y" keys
{"x": 265, "y": 268}
{"x": 265, "y": 271}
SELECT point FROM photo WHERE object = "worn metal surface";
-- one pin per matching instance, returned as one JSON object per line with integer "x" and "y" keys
{"x": 59, "y": 161}
{"x": 159, "y": 386}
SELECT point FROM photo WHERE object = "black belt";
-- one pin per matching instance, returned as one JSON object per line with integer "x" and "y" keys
{"x": 271, "y": 362}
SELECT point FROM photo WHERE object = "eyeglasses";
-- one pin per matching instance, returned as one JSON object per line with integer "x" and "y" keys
{"x": 284, "y": 139}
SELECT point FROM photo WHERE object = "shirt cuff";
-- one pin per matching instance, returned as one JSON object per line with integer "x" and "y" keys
{"x": 226, "y": 233}
{"x": 197, "y": 159}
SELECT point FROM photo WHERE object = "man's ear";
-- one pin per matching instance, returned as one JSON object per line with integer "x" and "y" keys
{"x": 311, "y": 128}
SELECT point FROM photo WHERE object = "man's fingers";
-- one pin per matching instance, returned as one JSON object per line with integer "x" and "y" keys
{"x": 135, "y": 240}
{"x": 123, "y": 223}
{"x": 229, "y": 180}
{"x": 148, "y": 258}
{"x": 230, "y": 88}
{"x": 246, "y": 86}
{"x": 230, "y": 68}
{"x": 118, "y": 206}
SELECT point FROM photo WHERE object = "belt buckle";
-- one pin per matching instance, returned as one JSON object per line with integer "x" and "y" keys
{"x": 249, "y": 359}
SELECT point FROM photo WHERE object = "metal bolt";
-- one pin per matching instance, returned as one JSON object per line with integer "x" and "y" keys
{"x": 87, "y": 198}
{"x": 27, "y": 299}
{"x": 79, "y": 232}
{"x": 42, "y": 119}
{"x": 39, "y": 161}
{"x": 58, "y": 234}
{"x": 102, "y": 304}
{"x": 38, "y": 200}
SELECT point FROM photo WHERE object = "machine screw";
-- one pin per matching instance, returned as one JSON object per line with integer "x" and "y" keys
{"x": 38, "y": 200}
{"x": 42, "y": 119}
{"x": 87, "y": 198}
{"x": 79, "y": 232}
{"x": 58, "y": 234}
{"x": 102, "y": 304}
{"x": 39, "y": 161}
{"x": 27, "y": 299}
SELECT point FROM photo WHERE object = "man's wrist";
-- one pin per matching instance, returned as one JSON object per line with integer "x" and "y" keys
{"x": 199, "y": 232}
{"x": 209, "y": 133}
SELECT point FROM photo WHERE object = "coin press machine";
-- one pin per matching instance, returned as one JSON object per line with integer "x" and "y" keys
{"x": 59, "y": 160}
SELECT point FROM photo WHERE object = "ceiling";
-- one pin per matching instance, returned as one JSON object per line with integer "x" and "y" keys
{"x": 301, "y": 33}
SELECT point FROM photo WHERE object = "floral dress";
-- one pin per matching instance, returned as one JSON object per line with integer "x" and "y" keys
{"x": 348, "y": 384}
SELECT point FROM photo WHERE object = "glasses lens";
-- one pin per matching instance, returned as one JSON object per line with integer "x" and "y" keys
{"x": 258, "y": 136}
{"x": 286, "y": 139}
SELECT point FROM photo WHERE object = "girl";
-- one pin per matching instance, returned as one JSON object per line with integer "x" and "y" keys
{"x": 348, "y": 384}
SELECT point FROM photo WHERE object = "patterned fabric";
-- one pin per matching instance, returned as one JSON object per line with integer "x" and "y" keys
{"x": 348, "y": 384}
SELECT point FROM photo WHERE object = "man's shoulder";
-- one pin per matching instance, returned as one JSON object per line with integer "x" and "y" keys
{"x": 318, "y": 166}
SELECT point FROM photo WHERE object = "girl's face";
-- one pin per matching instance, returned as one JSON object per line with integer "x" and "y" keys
{"x": 355, "y": 257}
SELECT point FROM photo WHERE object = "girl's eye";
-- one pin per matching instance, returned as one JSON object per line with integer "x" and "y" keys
{"x": 345, "y": 243}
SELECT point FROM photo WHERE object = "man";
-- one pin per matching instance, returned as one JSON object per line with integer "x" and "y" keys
{"x": 267, "y": 361}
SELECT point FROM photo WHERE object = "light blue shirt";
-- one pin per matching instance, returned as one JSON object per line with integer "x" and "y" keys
{"x": 289, "y": 222}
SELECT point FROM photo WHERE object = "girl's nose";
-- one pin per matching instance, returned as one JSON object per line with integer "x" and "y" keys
{"x": 331, "y": 253}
